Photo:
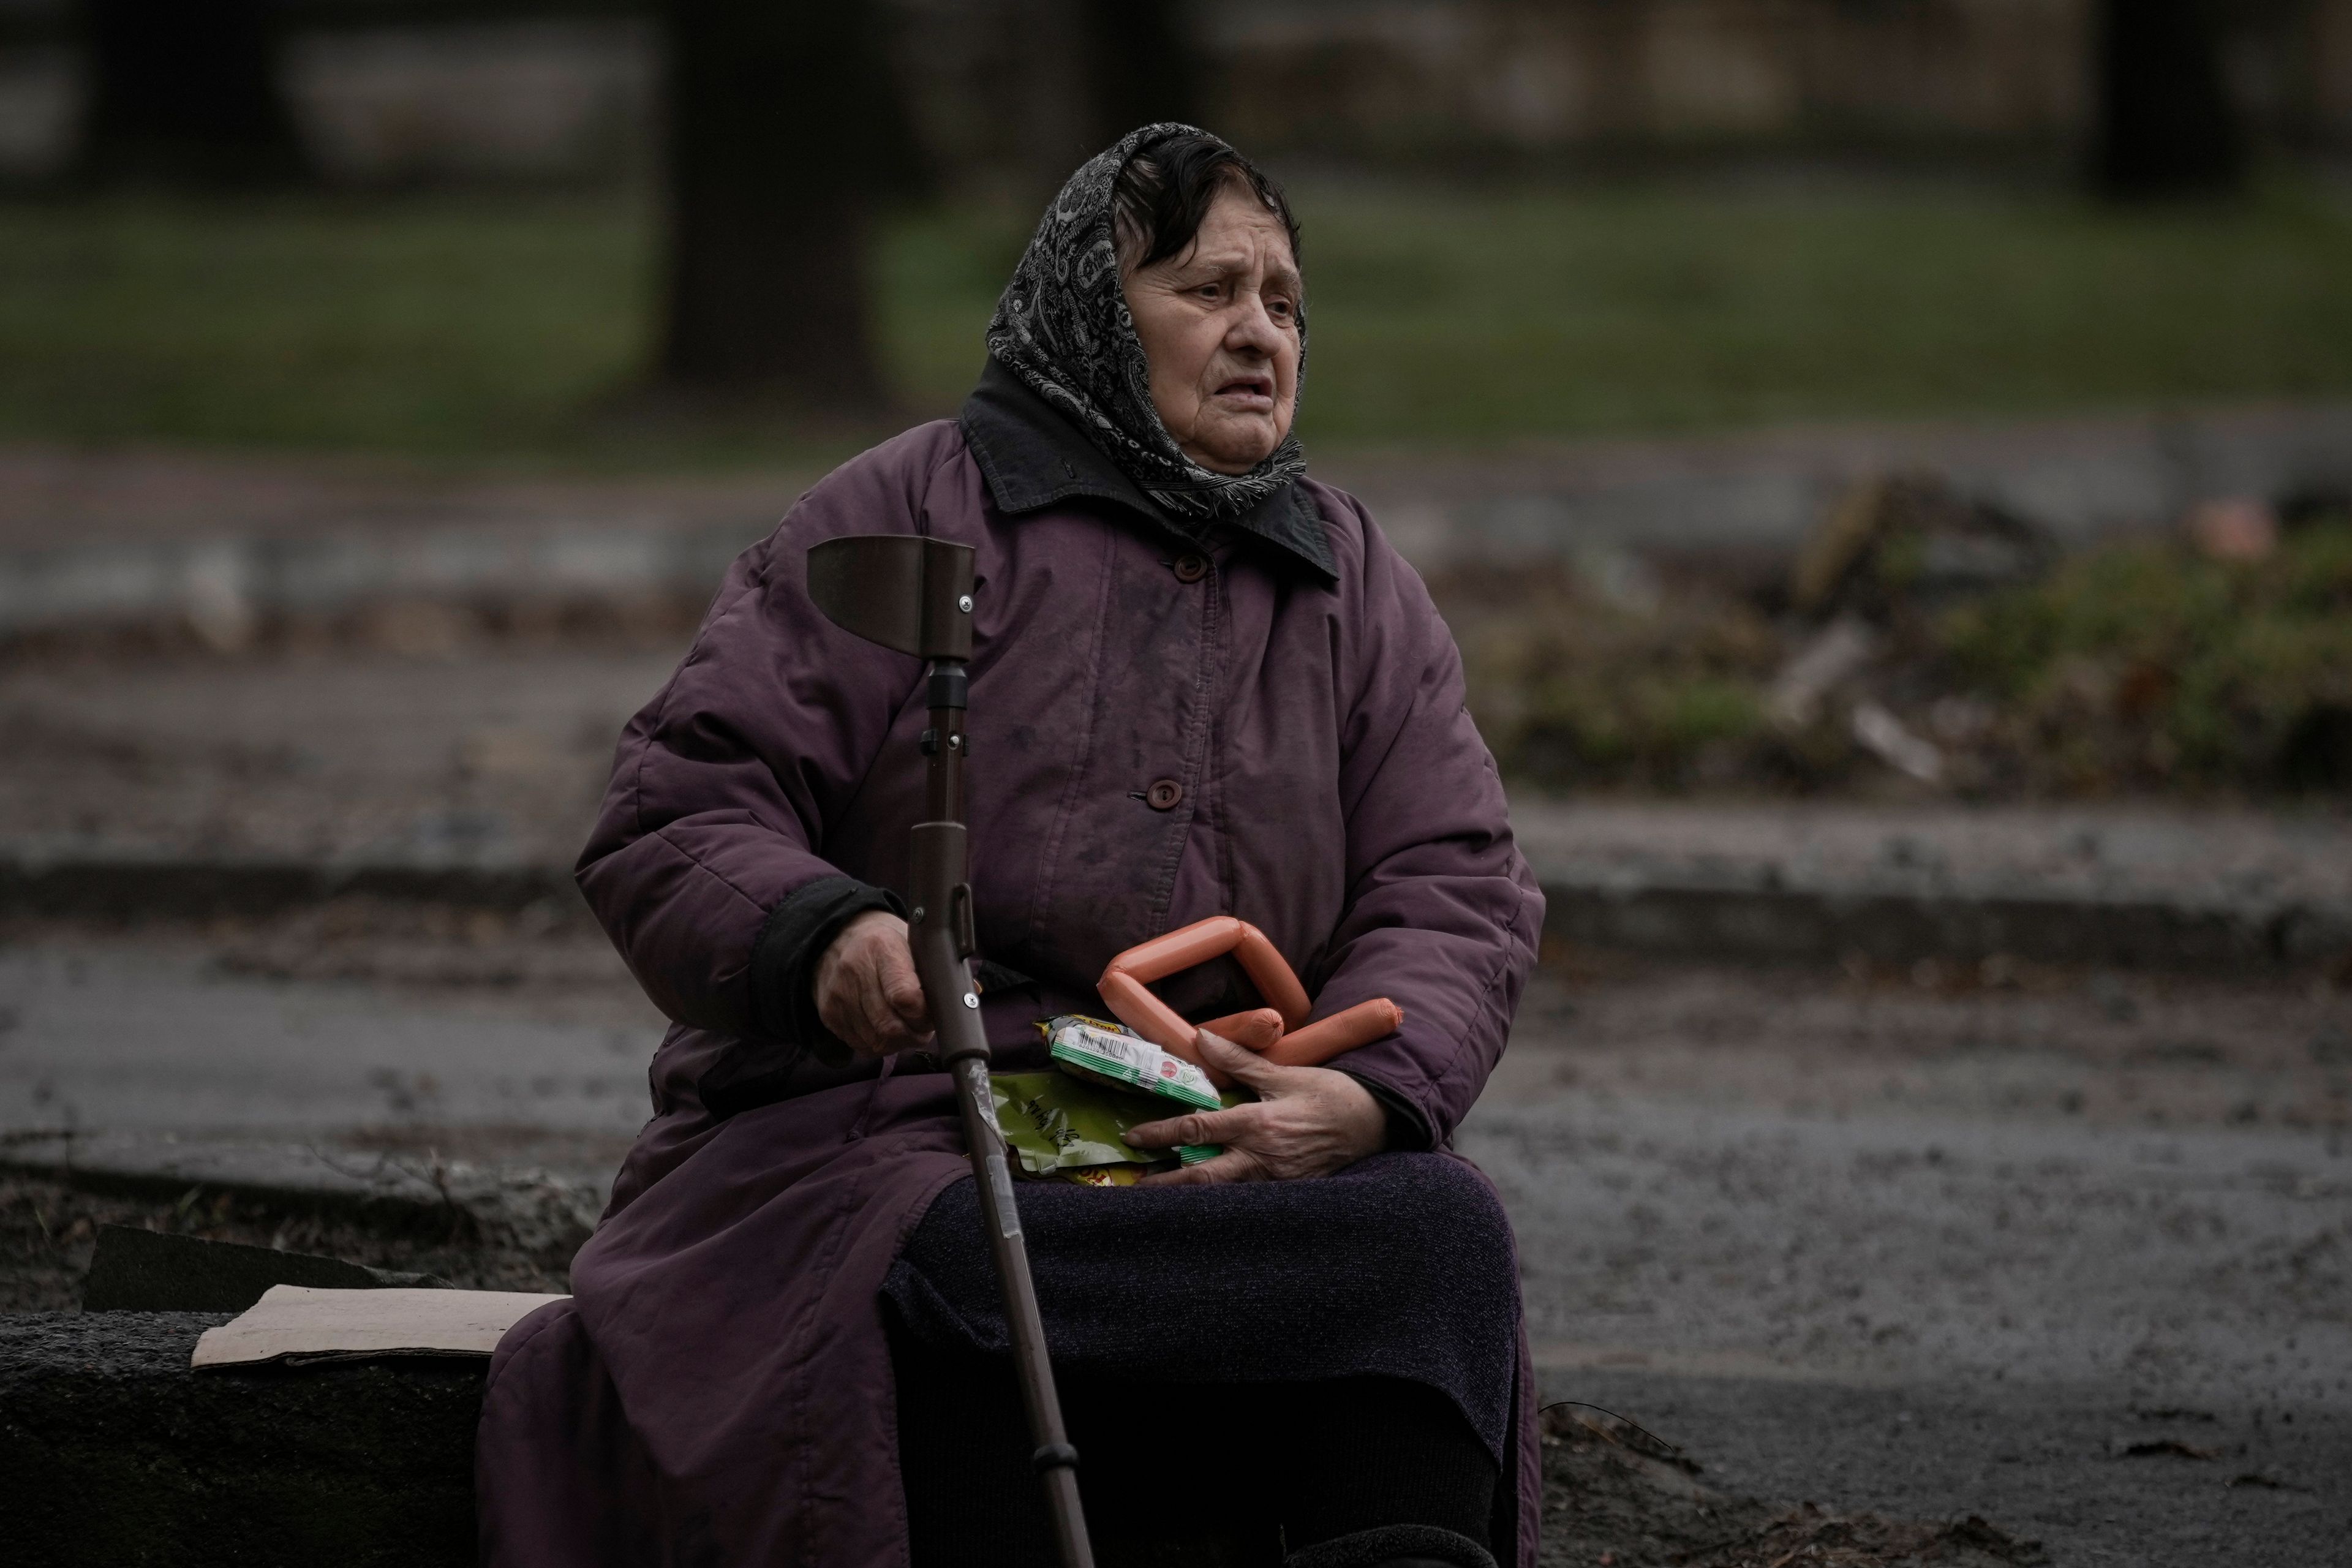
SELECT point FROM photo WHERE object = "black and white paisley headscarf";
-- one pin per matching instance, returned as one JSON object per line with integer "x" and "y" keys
{"x": 1063, "y": 326}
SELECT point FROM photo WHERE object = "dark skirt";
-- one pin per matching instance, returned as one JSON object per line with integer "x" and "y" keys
{"x": 1400, "y": 1267}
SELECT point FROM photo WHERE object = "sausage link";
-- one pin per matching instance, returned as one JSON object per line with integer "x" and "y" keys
{"x": 1258, "y": 1028}
{"x": 1195, "y": 943}
{"x": 1320, "y": 1041}
{"x": 1276, "y": 980}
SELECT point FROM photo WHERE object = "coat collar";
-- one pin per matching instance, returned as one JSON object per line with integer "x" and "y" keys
{"x": 1032, "y": 457}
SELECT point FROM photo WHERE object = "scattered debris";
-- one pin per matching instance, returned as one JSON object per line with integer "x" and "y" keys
{"x": 1927, "y": 640}
{"x": 1898, "y": 544}
{"x": 1577, "y": 1420}
{"x": 1831, "y": 658}
{"x": 1810, "y": 1536}
{"x": 1883, "y": 735}
{"x": 1619, "y": 575}
{"x": 2168, "y": 1448}
{"x": 2239, "y": 527}
{"x": 1616, "y": 1494}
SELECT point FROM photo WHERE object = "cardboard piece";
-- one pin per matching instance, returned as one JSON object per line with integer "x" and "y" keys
{"x": 298, "y": 1323}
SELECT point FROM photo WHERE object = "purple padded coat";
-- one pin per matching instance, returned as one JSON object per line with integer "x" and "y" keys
{"x": 1263, "y": 719}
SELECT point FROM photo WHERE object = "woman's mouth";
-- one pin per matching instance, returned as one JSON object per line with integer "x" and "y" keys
{"x": 1255, "y": 392}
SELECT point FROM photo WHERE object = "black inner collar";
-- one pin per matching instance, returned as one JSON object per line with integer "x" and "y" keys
{"x": 1032, "y": 456}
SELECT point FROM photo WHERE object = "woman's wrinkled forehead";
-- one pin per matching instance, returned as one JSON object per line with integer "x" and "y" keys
{"x": 1237, "y": 233}
{"x": 1163, "y": 189}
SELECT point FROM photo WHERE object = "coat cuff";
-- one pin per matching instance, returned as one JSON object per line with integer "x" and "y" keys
{"x": 784, "y": 959}
{"x": 1408, "y": 1127}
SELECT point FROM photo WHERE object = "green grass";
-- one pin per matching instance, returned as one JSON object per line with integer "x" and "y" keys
{"x": 473, "y": 327}
{"x": 435, "y": 327}
{"x": 2142, "y": 664}
{"x": 1677, "y": 309}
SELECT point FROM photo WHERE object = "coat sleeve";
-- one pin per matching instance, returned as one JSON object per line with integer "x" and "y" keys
{"x": 1443, "y": 915}
{"x": 705, "y": 865}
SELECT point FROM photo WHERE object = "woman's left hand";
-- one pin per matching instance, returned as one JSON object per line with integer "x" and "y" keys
{"x": 1306, "y": 1122}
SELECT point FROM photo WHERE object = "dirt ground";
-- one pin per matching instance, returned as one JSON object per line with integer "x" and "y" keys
{"x": 2068, "y": 1250}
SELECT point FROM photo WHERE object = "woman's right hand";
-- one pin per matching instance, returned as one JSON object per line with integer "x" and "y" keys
{"x": 866, "y": 990}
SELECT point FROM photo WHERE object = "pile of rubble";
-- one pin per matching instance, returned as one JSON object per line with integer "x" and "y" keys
{"x": 1926, "y": 641}
{"x": 1617, "y": 1494}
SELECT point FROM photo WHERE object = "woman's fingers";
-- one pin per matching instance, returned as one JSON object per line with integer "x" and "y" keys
{"x": 1232, "y": 1165}
{"x": 866, "y": 989}
{"x": 1311, "y": 1122}
{"x": 902, "y": 990}
{"x": 884, "y": 1030}
{"x": 1199, "y": 1127}
{"x": 904, "y": 994}
{"x": 1240, "y": 1065}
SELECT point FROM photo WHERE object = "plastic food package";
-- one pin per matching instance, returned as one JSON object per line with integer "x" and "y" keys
{"x": 1057, "y": 1125}
{"x": 1056, "y": 1122}
{"x": 1107, "y": 1052}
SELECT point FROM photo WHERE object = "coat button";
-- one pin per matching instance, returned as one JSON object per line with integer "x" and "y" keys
{"x": 1163, "y": 795}
{"x": 1191, "y": 566}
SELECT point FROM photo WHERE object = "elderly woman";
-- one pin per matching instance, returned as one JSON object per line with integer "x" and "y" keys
{"x": 1202, "y": 684}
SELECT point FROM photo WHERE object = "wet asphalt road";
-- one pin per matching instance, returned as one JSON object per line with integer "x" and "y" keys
{"x": 1911, "y": 1243}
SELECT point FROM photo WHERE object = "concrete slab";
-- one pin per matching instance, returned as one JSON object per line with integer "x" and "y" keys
{"x": 218, "y": 544}
{"x": 116, "y": 1453}
{"x": 2119, "y": 885}
{"x": 2141, "y": 885}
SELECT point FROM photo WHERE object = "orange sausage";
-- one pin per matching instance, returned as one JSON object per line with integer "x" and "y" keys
{"x": 1258, "y": 1029}
{"x": 1204, "y": 940}
{"x": 1132, "y": 1004}
{"x": 1326, "y": 1039}
{"x": 1275, "y": 982}
{"x": 1164, "y": 955}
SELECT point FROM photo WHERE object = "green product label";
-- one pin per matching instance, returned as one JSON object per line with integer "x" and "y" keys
{"x": 1056, "y": 1122}
{"x": 1115, "y": 1056}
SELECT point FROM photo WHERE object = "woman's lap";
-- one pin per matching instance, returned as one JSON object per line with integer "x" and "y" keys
{"x": 1401, "y": 1267}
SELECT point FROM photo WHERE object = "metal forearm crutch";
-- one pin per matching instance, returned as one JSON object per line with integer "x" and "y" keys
{"x": 914, "y": 595}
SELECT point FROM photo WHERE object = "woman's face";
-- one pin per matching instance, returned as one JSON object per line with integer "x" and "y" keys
{"x": 1219, "y": 324}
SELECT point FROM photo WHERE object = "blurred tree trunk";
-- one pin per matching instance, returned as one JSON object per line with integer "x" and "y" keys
{"x": 783, "y": 136}
{"x": 1144, "y": 66}
{"x": 187, "y": 90}
{"x": 1084, "y": 73}
{"x": 2165, "y": 127}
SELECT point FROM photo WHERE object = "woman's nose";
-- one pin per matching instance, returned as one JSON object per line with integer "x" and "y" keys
{"x": 1253, "y": 328}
